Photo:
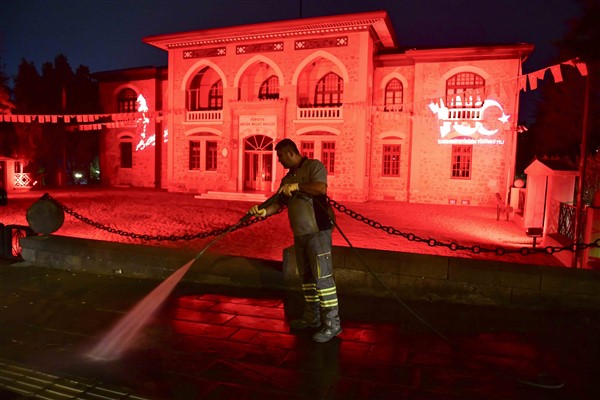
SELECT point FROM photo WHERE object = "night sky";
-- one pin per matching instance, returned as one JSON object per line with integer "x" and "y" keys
{"x": 107, "y": 34}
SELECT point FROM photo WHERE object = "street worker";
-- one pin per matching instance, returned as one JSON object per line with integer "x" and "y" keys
{"x": 303, "y": 190}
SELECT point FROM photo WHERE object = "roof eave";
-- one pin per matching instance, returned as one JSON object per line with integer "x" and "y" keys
{"x": 377, "y": 21}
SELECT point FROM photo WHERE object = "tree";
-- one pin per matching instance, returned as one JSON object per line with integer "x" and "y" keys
{"x": 7, "y": 132}
{"x": 557, "y": 131}
{"x": 56, "y": 148}
{"x": 559, "y": 120}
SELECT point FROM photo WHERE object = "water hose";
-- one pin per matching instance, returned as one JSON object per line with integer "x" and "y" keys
{"x": 271, "y": 200}
{"x": 544, "y": 381}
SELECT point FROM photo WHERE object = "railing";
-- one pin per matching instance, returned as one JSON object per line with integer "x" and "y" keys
{"x": 566, "y": 221}
{"x": 204, "y": 116}
{"x": 317, "y": 113}
{"x": 455, "y": 114}
{"x": 22, "y": 180}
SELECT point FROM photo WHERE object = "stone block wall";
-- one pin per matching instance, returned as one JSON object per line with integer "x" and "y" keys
{"x": 360, "y": 272}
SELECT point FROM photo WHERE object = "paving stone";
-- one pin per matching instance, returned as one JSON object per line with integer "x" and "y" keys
{"x": 211, "y": 342}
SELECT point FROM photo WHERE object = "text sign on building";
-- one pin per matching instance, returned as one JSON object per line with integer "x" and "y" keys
{"x": 470, "y": 125}
{"x": 258, "y": 125}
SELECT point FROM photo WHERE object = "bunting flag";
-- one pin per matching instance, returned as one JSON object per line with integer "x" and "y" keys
{"x": 87, "y": 122}
{"x": 555, "y": 69}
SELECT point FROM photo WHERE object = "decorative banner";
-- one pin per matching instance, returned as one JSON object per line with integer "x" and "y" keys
{"x": 458, "y": 124}
{"x": 117, "y": 120}
{"x": 556, "y": 73}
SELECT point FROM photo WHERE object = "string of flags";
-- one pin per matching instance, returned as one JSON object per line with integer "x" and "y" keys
{"x": 87, "y": 122}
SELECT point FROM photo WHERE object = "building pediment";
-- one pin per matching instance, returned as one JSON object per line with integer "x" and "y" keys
{"x": 377, "y": 23}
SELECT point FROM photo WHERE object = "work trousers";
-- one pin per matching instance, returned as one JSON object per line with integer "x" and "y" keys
{"x": 313, "y": 258}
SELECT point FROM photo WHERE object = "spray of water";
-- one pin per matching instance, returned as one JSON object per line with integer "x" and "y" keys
{"x": 120, "y": 337}
{"x": 126, "y": 330}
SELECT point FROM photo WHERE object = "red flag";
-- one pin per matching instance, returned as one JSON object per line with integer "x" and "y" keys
{"x": 523, "y": 83}
{"x": 582, "y": 67}
{"x": 532, "y": 81}
{"x": 556, "y": 73}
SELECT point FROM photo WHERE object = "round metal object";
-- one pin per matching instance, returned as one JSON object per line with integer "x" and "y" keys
{"x": 45, "y": 217}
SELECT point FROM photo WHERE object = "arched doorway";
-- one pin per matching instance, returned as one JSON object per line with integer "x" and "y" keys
{"x": 258, "y": 163}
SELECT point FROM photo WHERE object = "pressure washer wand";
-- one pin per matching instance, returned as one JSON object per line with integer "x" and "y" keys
{"x": 271, "y": 200}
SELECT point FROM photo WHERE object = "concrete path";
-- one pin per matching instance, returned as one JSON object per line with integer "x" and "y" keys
{"x": 235, "y": 343}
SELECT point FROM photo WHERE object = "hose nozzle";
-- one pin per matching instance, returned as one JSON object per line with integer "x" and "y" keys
{"x": 270, "y": 201}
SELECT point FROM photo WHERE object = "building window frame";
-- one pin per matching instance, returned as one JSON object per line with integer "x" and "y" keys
{"x": 269, "y": 89}
{"x": 465, "y": 90}
{"x": 127, "y": 101}
{"x": 393, "y": 95}
{"x": 194, "y": 152}
{"x": 215, "y": 96}
{"x": 328, "y": 155}
{"x": 307, "y": 148}
{"x": 210, "y": 155}
{"x": 329, "y": 91}
{"x": 391, "y": 157}
{"x": 462, "y": 161}
{"x": 202, "y": 154}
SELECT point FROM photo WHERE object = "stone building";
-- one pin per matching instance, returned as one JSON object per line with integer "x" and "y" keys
{"x": 415, "y": 125}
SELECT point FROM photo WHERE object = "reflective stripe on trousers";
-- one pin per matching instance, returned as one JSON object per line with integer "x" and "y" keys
{"x": 315, "y": 267}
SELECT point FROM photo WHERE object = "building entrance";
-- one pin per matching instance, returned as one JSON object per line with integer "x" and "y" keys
{"x": 258, "y": 163}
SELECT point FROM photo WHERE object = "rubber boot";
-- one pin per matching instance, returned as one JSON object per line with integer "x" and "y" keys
{"x": 310, "y": 317}
{"x": 330, "y": 327}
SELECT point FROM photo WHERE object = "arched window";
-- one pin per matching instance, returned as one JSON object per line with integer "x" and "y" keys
{"x": 394, "y": 95}
{"x": 194, "y": 97}
{"x": 202, "y": 95}
{"x": 465, "y": 90}
{"x": 126, "y": 101}
{"x": 269, "y": 89}
{"x": 215, "y": 96}
{"x": 329, "y": 91}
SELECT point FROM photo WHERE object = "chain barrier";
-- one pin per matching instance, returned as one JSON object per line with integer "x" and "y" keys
{"x": 476, "y": 249}
{"x": 159, "y": 238}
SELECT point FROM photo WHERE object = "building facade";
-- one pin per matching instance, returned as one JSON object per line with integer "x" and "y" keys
{"x": 426, "y": 126}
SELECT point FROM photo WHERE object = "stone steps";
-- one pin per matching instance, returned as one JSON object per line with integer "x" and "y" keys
{"x": 236, "y": 196}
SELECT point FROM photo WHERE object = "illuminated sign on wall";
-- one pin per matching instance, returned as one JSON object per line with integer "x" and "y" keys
{"x": 258, "y": 124}
{"x": 150, "y": 140}
{"x": 468, "y": 125}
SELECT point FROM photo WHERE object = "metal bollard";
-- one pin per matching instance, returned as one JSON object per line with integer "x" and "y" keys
{"x": 45, "y": 217}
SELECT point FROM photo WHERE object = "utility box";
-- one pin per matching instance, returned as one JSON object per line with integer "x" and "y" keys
{"x": 549, "y": 183}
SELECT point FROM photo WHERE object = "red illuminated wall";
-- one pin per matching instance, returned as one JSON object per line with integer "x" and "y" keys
{"x": 151, "y": 84}
{"x": 358, "y": 48}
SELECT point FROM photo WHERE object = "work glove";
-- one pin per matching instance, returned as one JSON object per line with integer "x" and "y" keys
{"x": 257, "y": 212}
{"x": 288, "y": 188}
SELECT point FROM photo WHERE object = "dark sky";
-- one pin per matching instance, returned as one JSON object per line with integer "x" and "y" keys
{"x": 107, "y": 34}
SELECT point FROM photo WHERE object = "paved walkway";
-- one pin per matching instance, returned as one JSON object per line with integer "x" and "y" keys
{"x": 232, "y": 343}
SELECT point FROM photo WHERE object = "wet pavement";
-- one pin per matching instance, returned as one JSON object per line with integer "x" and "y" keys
{"x": 209, "y": 342}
